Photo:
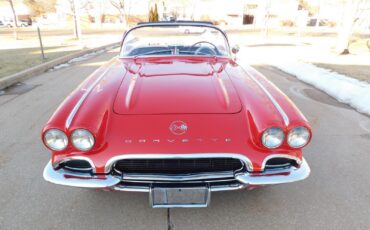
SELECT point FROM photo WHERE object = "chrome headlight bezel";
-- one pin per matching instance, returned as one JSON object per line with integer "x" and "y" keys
{"x": 56, "y": 134}
{"x": 273, "y": 137}
{"x": 297, "y": 133}
{"x": 82, "y": 139}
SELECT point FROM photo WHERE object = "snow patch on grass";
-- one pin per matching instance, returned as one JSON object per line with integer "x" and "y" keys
{"x": 78, "y": 59}
{"x": 61, "y": 66}
{"x": 345, "y": 89}
{"x": 86, "y": 56}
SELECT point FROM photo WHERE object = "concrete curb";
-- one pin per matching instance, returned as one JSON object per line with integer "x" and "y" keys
{"x": 36, "y": 70}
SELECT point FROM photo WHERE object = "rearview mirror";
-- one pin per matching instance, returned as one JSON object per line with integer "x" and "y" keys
{"x": 235, "y": 49}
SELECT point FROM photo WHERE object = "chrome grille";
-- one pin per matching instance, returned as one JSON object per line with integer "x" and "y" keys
{"x": 178, "y": 166}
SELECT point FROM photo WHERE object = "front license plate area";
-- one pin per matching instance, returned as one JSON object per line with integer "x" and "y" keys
{"x": 179, "y": 197}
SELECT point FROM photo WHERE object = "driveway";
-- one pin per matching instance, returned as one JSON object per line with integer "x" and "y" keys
{"x": 335, "y": 196}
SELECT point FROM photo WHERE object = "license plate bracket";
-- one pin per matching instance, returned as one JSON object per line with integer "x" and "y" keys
{"x": 179, "y": 196}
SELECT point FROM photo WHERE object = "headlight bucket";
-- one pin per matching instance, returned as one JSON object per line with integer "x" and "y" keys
{"x": 55, "y": 139}
{"x": 273, "y": 137}
{"x": 82, "y": 139}
{"x": 298, "y": 137}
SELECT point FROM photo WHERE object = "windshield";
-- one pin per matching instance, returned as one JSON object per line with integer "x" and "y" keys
{"x": 174, "y": 40}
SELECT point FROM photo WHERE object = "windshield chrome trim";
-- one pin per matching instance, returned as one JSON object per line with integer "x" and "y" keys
{"x": 174, "y": 24}
{"x": 174, "y": 56}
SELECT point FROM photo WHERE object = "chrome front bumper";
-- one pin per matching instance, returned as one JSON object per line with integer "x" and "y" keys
{"x": 245, "y": 180}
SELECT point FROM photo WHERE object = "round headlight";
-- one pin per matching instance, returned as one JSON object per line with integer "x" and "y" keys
{"x": 298, "y": 137}
{"x": 82, "y": 139}
{"x": 273, "y": 137}
{"x": 55, "y": 139}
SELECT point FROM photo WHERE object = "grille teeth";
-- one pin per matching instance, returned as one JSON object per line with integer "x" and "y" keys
{"x": 178, "y": 166}
{"x": 280, "y": 162}
{"x": 76, "y": 165}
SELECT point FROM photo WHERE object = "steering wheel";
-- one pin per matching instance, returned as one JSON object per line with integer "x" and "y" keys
{"x": 199, "y": 50}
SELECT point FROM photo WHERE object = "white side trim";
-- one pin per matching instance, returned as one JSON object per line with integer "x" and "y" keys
{"x": 82, "y": 99}
{"x": 272, "y": 99}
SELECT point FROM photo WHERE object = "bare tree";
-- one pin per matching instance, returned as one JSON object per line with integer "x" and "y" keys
{"x": 76, "y": 18}
{"x": 15, "y": 34}
{"x": 267, "y": 18}
{"x": 352, "y": 11}
{"x": 120, "y": 6}
{"x": 40, "y": 7}
{"x": 14, "y": 14}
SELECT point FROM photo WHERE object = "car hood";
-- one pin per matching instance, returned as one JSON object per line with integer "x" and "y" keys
{"x": 182, "y": 86}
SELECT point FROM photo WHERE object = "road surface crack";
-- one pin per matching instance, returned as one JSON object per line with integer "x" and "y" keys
{"x": 169, "y": 221}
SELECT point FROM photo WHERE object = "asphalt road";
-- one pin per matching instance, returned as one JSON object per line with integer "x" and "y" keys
{"x": 335, "y": 196}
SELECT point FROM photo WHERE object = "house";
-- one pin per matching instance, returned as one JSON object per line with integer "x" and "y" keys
{"x": 6, "y": 13}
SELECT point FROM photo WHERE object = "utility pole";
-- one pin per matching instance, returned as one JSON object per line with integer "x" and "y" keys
{"x": 76, "y": 18}
{"x": 348, "y": 21}
{"x": 15, "y": 19}
{"x": 41, "y": 45}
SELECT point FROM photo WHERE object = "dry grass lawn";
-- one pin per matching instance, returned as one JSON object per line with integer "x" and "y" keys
{"x": 24, "y": 52}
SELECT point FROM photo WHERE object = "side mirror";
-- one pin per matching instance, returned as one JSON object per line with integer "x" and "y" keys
{"x": 235, "y": 49}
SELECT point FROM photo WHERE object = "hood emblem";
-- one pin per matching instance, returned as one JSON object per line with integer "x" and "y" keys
{"x": 178, "y": 127}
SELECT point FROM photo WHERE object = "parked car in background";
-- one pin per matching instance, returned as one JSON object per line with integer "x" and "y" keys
{"x": 10, "y": 23}
{"x": 176, "y": 116}
{"x": 313, "y": 21}
{"x": 7, "y": 23}
{"x": 25, "y": 22}
{"x": 191, "y": 29}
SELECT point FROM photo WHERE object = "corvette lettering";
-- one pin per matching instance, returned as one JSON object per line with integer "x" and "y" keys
{"x": 181, "y": 140}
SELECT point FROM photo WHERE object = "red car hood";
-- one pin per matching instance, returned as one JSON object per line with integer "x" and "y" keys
{"x": 176, "y": 87}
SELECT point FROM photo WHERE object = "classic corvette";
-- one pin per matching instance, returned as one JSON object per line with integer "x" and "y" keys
{"x": 174, "y": 115}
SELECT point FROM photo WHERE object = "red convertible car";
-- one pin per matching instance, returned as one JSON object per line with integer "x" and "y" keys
{"x": 174, "y": 115}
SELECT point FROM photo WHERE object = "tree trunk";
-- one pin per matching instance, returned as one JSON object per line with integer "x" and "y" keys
{"x": 76, "y": 19}
{"x": 98, "y": 13}
{"x": 345, "y": 32}
{"x": 318, "y": 15}
{"x": 15, "y": 34}
{"x": 14, "y": 14}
